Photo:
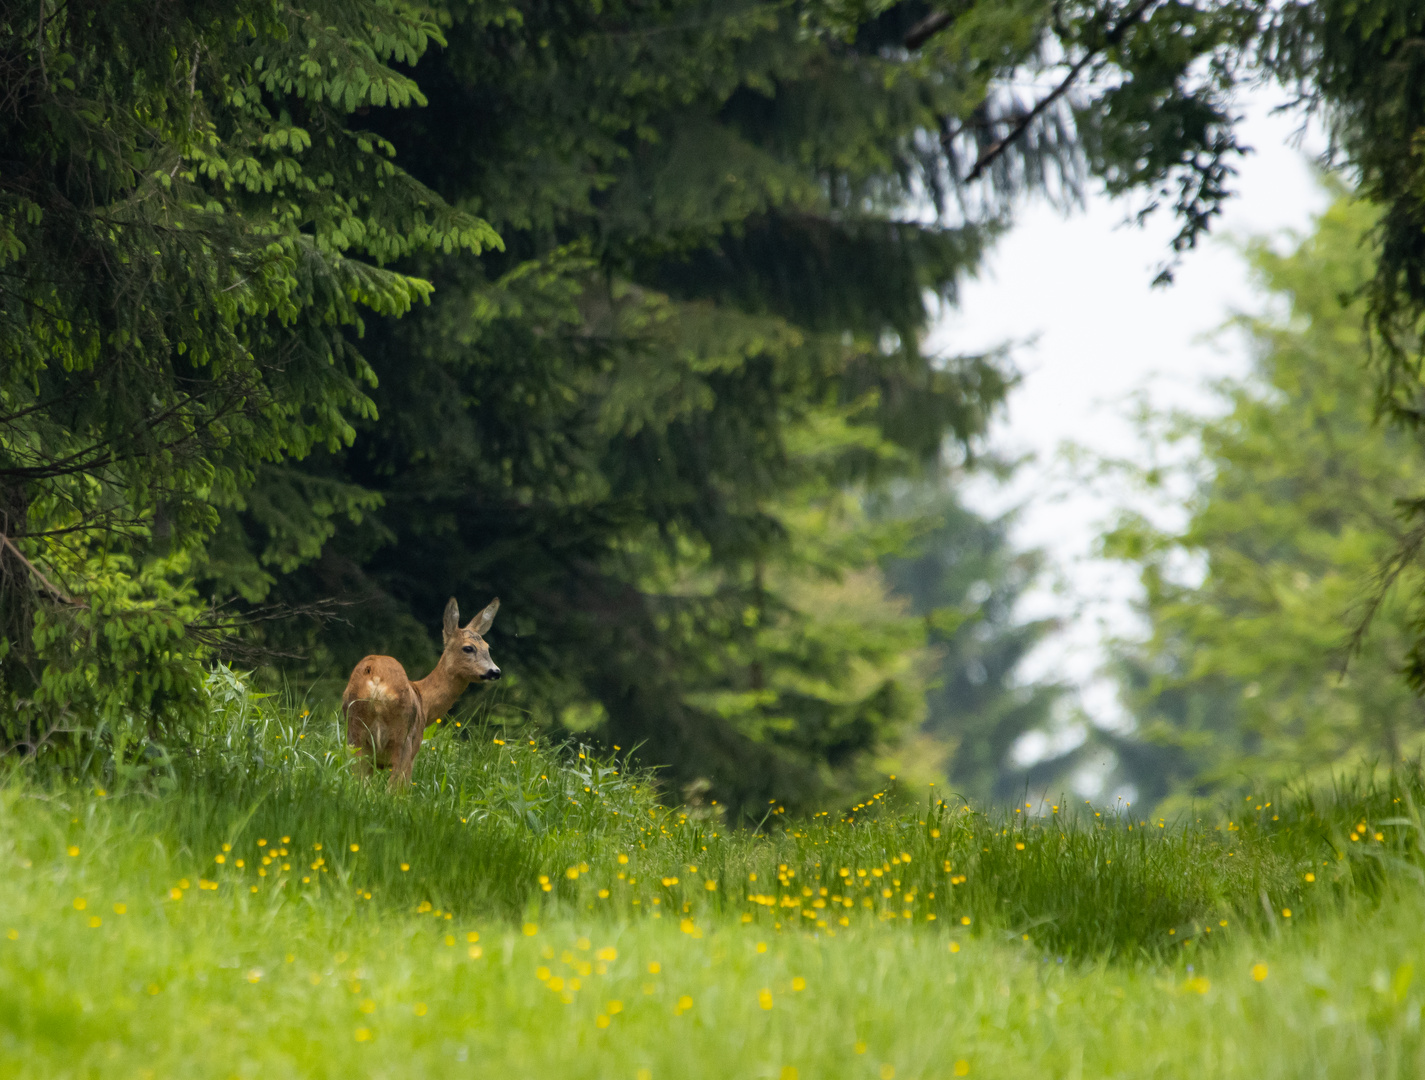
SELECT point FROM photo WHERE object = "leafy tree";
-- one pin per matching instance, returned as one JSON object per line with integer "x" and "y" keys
{"x": 188, "y": 229}
{"x": 1296, "y": 512}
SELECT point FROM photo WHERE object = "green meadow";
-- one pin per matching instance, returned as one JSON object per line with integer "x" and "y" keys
{"x": 250, "y": 909}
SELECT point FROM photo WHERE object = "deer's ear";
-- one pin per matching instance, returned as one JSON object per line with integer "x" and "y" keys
{"x": 482, "y": 622}
{"x": 452, "y": 618}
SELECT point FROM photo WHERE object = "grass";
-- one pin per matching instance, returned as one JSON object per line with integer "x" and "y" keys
{"x": 247, "y": 908}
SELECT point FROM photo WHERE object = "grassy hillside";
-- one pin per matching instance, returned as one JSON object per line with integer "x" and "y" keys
{"x": 248, "y": 909}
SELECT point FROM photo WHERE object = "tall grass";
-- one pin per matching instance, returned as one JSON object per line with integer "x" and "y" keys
{"x": 502, "y": 825}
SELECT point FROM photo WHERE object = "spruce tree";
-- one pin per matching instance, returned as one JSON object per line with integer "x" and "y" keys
{"x": 188, "y": 228}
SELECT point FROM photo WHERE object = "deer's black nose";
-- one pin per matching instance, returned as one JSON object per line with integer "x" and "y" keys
{"x": 491, "y": 675}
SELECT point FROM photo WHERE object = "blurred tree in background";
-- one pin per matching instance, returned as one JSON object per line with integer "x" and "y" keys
{"x": 964, "y": 580}
{"x": 1297, "y": 513}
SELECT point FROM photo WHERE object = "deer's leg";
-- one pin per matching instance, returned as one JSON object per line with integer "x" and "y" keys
{"x": 365, "y": 734}
{"x": 401, "y": 762}
{"x": 358, "y": 737}
{"x": 399, "y": 771}
{"x": 398, "y": 768}
{"x": 406, "y": 760}
{"x": 361, "y": 764}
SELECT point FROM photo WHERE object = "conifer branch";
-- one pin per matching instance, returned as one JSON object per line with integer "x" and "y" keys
{"x": 927, "y": 28}
{"x": 1406, "y": 554}
{"x": 1111, "y": 38}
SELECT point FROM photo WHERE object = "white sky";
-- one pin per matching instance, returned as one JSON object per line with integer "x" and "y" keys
{"x": 1075, "y": 291}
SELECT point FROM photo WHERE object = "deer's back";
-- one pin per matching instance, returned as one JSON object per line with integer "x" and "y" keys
{"x": 380, "y": 706}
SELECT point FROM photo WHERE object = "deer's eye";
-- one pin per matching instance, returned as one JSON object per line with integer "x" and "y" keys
{"x": 470, "y": 649}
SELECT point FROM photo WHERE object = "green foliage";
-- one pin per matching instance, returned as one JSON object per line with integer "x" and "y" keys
{"x": 1249, "y": 670}
{"x": 1163, "y": 123}
{"x": 119, "y": 667}
{"x": 1356, "y": 67}
{"x": 188, "y": 226}
{"x": 1357, "y": 64}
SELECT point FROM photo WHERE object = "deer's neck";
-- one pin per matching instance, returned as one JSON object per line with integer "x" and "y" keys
{"x": 440, "y": 690}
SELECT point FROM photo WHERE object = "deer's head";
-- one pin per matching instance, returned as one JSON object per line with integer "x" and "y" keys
{"x": 466, "y": 653}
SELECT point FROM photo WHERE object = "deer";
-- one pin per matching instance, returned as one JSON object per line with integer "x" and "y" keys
{"x": 387, "y": 714}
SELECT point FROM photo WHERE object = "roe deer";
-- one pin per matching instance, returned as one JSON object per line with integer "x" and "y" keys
{"x": 387, "y": 714}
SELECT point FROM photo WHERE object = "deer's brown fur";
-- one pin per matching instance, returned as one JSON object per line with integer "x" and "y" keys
{"x": 387, "y": 713}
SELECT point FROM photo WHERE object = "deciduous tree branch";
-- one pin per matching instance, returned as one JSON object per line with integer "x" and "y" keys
{"x": 49, "y": 587}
